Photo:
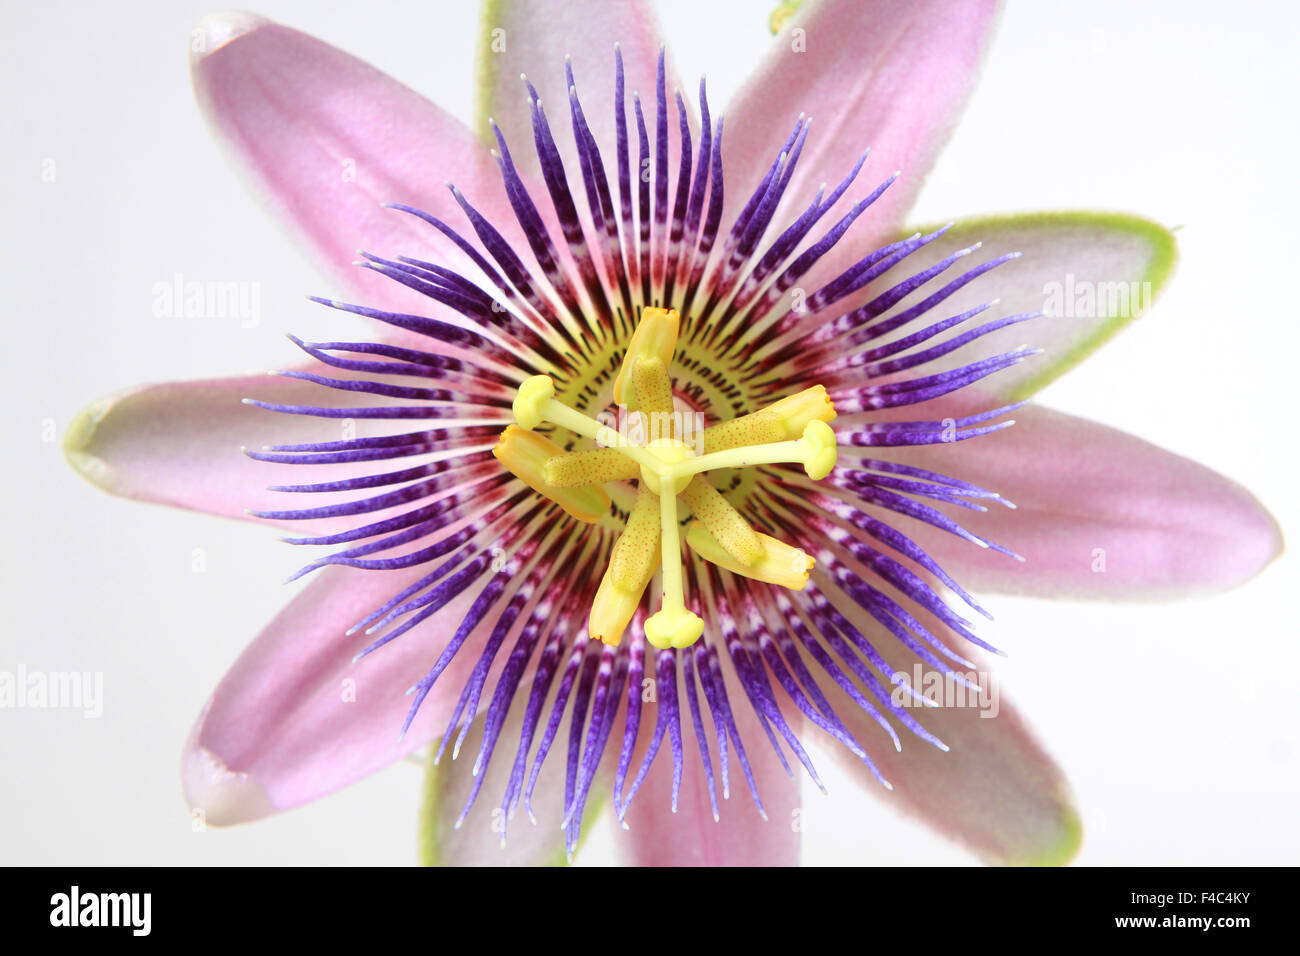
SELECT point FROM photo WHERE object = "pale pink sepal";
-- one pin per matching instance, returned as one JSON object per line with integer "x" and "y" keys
{"x": 534, "y": 37}
{"x": 296, "y": 719}
{"x": 1087, "y": 274}
{"x": 1100, "y": 514}
{"x": 487, "y": 835}
{"x": 179, "y": 443}
{"x": 996, "y": 791}
{"x": 741, "y": 836}
{"x": 870, "y": 73}
{"x": 327, "y": 139}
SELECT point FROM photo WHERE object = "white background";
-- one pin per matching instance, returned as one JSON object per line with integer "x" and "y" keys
{"x": 1176, "y": 723}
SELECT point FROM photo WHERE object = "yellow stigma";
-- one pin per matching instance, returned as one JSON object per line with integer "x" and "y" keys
{"x": 531, "y": 400}
{"x": 670, "y": 479}
{"x": 816, "y": 451}
{"x": 822, "y": 452}
{"x": 673, "y": 627}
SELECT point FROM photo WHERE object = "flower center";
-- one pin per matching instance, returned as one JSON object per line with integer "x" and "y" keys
{"x": 670, "y": 481}
{"x": 670, "y": 452}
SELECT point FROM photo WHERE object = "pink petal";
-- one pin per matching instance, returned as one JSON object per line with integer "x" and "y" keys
{"x": 476, "y": 841}
{"x": 875, "y": 73}
{"x": 179, "y": 444}
{"x": 996, "y": 791}
{"x": 1091, "y": 273}
{"x": 296, "y": 719}
{"x": 327, "y": 139}
{"x": 537, "y": 36}
{"x": 1100, "y": 514}
{"x": 740, "y": 837}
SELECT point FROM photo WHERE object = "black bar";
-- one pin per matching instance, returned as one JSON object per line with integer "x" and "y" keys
{"x": 853, "y": 907}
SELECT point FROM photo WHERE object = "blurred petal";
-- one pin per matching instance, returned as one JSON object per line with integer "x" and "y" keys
{"x": 179, "y": 443}
{"x": 872, "y": 73}
{"x": 740, "y": 837}
{"x": 535, "y": 38}
{"x": 327, "y": 139}
{"x": 1100, "y": 514}
{"x": 996, "y": 791}
{"x": 1090, "y": 273}
{"x": 295, "y": 719}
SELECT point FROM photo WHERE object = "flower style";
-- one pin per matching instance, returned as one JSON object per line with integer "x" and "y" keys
{"x": 690, "y": 288}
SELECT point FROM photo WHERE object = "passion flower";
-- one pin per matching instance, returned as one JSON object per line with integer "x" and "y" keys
{"x": 561, "y": 290}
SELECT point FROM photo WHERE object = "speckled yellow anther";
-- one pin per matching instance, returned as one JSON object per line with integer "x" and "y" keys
{"x": 655, "y": 336}
{"x": 651, "y": 386}
{"x": 779, "y": 563}
{"x": 632, "y": 564}
{"x": 780, "y": 421}
{"x": 723, "y": 522}
{"x": 593, "y": 466}
{"x": 525, "y": 453}
{"x": 793, "y": 429}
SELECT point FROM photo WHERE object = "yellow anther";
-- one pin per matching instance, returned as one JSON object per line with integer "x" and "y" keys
{"x": 525, "y": 453}
{"x": 822, "y": 450}
{"x": 591, "y": 467}
{"x": 654, "y": 337}
{"x": 635, "y": 554}
{"x": 651, "y": 387}
{"x": 663, "y": 472}
{"x": 532, "y": 399}
{"x": 611, "y": 611}
{"x": 780, "y": 563}
{"x": 723, "y": 522}
{"x": 782, "y": 420}
{"x": 757, "y": 428}
{"x": 796, "y": 411}
{"x": 632, "y": 563}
